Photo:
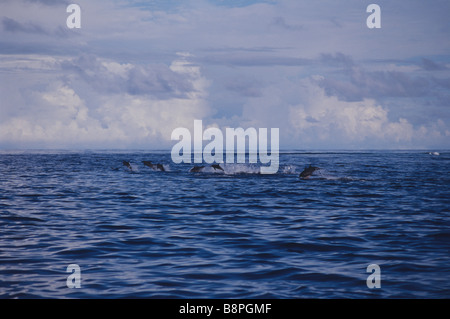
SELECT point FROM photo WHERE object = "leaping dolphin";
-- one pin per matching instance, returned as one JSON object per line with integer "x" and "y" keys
{"x": 217, "y": 166}
{"x": 127, "y": 164}
{"x": 157, "y": 167}
{"x": 307, "y": 172}
{"x": 197, "y": 169}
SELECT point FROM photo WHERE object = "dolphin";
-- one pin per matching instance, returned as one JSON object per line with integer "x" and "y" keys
{"x": 196, "y": 169}
{"x": 160, "y": 167}
{"x": 154, "y": 166}
{"x": 217, "y": 166}
{"x": 307, "y": 172}
{"x": 127, "y": 164}
{"x": 147, "y": 163}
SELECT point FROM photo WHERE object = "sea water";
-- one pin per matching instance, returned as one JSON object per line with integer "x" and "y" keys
{"x": 235, "y": 234}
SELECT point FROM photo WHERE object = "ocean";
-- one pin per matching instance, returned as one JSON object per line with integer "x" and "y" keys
{"x": 142, "y": 233}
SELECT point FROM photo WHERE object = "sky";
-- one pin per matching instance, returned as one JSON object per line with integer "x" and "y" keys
{"x": 136, "y": 70}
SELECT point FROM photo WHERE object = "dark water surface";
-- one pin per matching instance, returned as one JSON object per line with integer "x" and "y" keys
{"x": 238, "y": 234}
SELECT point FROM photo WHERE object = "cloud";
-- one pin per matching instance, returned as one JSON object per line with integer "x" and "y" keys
{"x": 58, "y": 114}
{"x": 51, "y": 2}
{"x": 338, "y": 59}
{"x": 319, "y": 120}
{"x": 346, "y": 123}
{"x": 73, "y": 110}
{"x": 356, "y": 82}
{"x": 11, "y": 25}
{"x": 281, "y": 22}
{"x": 247, "y": 87}
{"x": 311, "y": 68}
{"x": 108, "y": 77}
{"x": 254, "y": 60}
{"x": 430, "y": 65}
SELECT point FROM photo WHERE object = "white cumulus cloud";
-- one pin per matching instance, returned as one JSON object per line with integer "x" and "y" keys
{"x": 73, "y": 111}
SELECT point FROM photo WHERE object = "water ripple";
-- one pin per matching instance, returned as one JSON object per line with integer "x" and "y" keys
{"x": 238, "y": 234}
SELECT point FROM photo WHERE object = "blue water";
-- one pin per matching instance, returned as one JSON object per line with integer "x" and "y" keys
{"x": 238, "y": 234}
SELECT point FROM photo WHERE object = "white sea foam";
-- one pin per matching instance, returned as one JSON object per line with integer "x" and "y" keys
{"x": 233, "y": 169}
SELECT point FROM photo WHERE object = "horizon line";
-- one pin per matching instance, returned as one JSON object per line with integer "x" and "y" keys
{"x": 224, "y": 152}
